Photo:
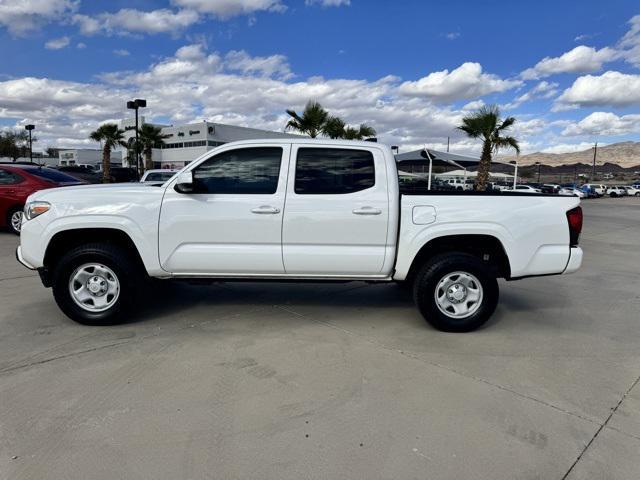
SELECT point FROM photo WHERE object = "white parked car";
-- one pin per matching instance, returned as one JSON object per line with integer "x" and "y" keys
{"x": 294, "y": 209}
{"x": 599, "y": 189}
{"x": 572, "y": 191}
{"x": 616, "y": 191}
{"x": 632, "y": 191}
{"x": 460, "y": 184}
{"x": 157, "y": 176}
{"x": 525, "y": 189}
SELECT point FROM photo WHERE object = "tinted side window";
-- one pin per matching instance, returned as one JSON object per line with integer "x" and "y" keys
{"x": 333, "y": 171}
{"x": 8, "y": 178}
{"x": 244, "y": 171}
{"x": 52, "y": 175}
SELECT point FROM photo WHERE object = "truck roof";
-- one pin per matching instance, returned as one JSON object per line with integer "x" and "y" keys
{"x": 308, "y": 140}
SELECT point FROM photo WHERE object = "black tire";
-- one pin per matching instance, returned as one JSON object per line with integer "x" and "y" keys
{"x": 435, "y": 270}
{"x": 127, "y": 270}
{"x": 10, "y": 214}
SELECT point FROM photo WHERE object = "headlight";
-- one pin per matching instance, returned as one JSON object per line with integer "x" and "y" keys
{"x": 33, "y": 209}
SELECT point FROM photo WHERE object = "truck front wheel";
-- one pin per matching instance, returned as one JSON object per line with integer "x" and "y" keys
{"x": 97, "y": 284}
{"x": 456, "y": 292}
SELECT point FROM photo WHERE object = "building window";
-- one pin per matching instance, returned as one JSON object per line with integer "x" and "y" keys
{"x": 333, "y": 171}
{"x": 199, "y": 143}
{"x": 211, "y": 143}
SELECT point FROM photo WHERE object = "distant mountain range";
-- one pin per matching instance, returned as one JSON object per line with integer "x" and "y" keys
{"x": 623, "y": 154}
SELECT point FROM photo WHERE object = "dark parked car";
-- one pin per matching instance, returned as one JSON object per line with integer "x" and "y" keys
{"x": 123, "y": 174}
{"x": 81, "y": 173}
{"x": 17, "y": 182}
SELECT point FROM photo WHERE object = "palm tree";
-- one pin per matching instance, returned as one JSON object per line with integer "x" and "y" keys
{"x": 110, "y": 136}
{"x": 360, "y": 133}
{"x": 150, "y": 137}
{"x": 334, "y": 128}
{"x": 487, "y": 125}
{"x": 312, "y": 120}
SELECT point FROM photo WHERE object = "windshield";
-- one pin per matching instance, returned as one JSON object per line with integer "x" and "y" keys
{"x": 52, "y": 175}
{"x": 158, "y": 176}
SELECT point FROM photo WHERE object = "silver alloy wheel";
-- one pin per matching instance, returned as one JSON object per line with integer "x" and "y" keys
{"x": 458, "y": 294}
{"x": 16, "y": 220}
{"x": 94, "y": 287}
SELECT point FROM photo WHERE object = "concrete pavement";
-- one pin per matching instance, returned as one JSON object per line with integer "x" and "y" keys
{"x": 332, "y": 381}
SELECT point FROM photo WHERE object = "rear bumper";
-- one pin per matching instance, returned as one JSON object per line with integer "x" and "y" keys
{"x": 575, "y": 260}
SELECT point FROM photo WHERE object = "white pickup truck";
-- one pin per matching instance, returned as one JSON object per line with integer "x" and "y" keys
{"x": 295, "y": 209}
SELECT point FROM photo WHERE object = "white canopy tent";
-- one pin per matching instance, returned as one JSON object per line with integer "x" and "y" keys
{"x": 446, "y": 159}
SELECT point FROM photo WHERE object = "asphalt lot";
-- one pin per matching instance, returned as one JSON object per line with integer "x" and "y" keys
{"x": 286, "y": 381}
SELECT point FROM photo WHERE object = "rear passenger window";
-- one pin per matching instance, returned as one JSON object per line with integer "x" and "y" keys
{"x": 333, "y": 171}
{"x": 8, "y": 178}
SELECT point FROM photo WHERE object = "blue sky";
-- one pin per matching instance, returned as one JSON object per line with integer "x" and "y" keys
{"x": 569, "y": 71}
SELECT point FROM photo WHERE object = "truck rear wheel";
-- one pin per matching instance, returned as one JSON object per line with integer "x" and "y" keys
{"x": 97, "y": 284}
{"x": 456, "y": 292}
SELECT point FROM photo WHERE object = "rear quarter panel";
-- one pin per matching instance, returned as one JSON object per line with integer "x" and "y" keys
{"x": 533, "y": 229}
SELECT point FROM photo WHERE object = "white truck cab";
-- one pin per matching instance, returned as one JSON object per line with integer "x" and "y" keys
{"x": 295, "y": 209}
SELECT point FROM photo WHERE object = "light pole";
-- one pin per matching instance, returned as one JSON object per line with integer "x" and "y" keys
{"x": 515, "y": 172}
{"x": 135, "y": 105}
{"x": 29, "y": 128}
{"x": 595, "y": 154}
{"x": 539, "y": 165}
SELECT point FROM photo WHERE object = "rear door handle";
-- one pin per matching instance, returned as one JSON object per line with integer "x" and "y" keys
{"x": 367, "y": 211}
{"x": 265, "y": 210}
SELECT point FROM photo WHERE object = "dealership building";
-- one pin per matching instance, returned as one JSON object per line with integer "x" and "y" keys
{"x": 185, "y": 143}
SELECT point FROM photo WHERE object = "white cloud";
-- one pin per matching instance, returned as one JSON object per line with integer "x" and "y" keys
{"x": 543, "y": 90}
{"x": 121, "y": 52}
{"x": 570, "y": 147}
{"x": 57, "y": 43}
{"x": 452, "y": 35}
{"x": 581, "y": 59}
{"x": 631, "y": 42}
{"x": 582, "y": 37}
{"x": 474, "y": 105}
{"x": 195, "y": 83}
{"x": 272, "y": 66}
{"x": 81, "y": 45}
{"x": 230, "y": 8}
{"x": 328, "y": 3}
{"x": 604, "y": 123}
{"x": 610, "y": 88}
{"x": 525, "y": 128}
{"x": 466, "y": 81}
{"x": 23, "y": 16}
{"x": 136, "y": 21}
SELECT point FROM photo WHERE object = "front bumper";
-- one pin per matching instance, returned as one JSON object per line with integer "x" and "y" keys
{"x": 21, "y": 259}
{"x": 575, "y": 260}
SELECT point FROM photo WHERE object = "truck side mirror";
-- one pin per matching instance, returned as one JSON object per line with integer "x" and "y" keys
{"x": 184, "y": 184}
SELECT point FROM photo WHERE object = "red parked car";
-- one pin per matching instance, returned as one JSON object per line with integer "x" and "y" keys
{"x": 17, "y": 182}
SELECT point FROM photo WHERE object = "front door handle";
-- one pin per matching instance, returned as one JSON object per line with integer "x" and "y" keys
{"x": 367, "y": 211}
{"x": 265, "y": 210}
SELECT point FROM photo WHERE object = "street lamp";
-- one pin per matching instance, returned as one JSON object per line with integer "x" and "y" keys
{"x": 135, "y": 105}
{"x": 29, "y": 128}
{"x": 515, "y": 172}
